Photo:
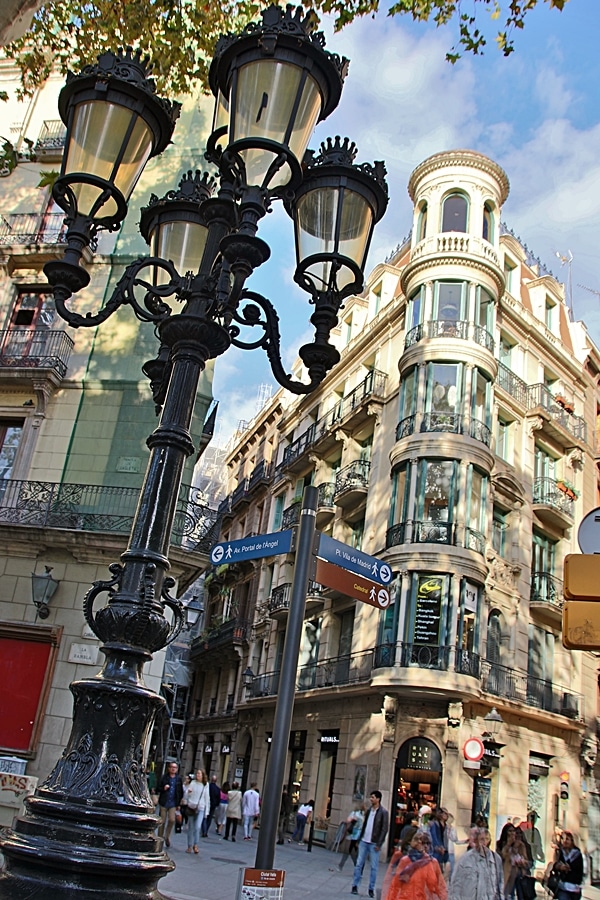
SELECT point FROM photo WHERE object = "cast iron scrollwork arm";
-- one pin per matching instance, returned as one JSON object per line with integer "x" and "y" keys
{"x": 249, "y": 314}
{"x": 153, "y": 310}
{"x": 100, "y": 587}
{"x": 175, "y": 605}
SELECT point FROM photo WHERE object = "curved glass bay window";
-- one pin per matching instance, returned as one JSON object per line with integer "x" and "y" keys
{"x": 481, "y": 410}
{"x": 443, "y": 397}
{"x": 408, "y": 403}
{"x": 476, "y": 510}
{"x": 436, "y": 501}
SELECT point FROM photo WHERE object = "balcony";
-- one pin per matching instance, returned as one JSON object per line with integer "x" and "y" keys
{"x": 325, "y": 504}
{"x": 558, "y": 422}
{"x": 512, "y": 385}
{"x": 427, "y": 656}
{"x": 552, "y": 506}
{"x": 405, "y": 427}
{"x": 98, "y": 508}
{"x": 437, "y": 421}
{"x": 474, "y": 540}
{"x": 433, "y": 533}
{"x": 265, "y": 685}
{"x": 51, "y": 141}
{"x": 351, "y": 486}
{"x": 279, "y": 601}
{"x": 291, "y": 515}
{"x": 512, "y": 684}
{"x": 456, "y": 329}
{"x": 546, "y": 595}
{"x": 355, "y": 408}
{"x": 353, "y": 668}
{"x": 32, "y": 352}
{"x": 446, "y": 422}
{"x": 262, "y": 474}
{"x": 456, "y": 244}
{"x": 395, "y": 535}
{"x": 225, "y": 509}
{"x": 240, "y": 495}
{"x": 228, "y": 635}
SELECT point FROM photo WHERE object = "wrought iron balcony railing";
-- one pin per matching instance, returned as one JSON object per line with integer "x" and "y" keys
{"x": 261, "y": 474}
{"x": 474, "y": 540}
{"x": 546, "y": 588}
{"x": 91, "y": 507}
{"x": 355, "y": 475}
{"x": 35, "y": 349}
{"x": 441, "y": 421}
{"x": 234, "y": 631}
{"x": 405, "y": 427}
{"x": 240, "y": 493}
{"x": 351, "y": 668}
{"x": 280, "y": 598}
{"x": 371, "y": 386}
{"x": 546, "y": 493}
{"x": 395, "y": 535}
{"x": 512, "y": 384}
{"x": 291, "y": 515}
{"x": 325, "y": 495}
{"x": 32, "y": 228}
{"x": 52, "y": 137}
{"x": 479, "y": 431}
{"x": 433, "y": 533}
{"x": 540, "y": 395}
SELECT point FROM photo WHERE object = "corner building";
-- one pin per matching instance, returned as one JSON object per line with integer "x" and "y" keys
{"x": 456, "y": 440}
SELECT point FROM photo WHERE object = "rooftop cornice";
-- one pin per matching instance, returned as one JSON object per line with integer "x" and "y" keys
{"x": 468, "y": 158}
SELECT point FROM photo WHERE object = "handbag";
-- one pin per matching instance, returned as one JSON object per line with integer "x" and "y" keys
{"x": 528, "y": 887}
{"x": 552, "y": 883}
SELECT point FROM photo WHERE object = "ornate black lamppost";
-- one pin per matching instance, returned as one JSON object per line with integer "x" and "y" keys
{"x": 89, "y": 829}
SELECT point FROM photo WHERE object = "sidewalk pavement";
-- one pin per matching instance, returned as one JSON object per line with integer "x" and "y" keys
{"x": 213, "y": 874}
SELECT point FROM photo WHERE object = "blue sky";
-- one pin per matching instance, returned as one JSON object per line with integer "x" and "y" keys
{"x": 537, "y": 113}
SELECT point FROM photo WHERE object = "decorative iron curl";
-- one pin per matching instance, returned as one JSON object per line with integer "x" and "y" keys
{"x": 175, "y": 605}
{"x": 100, "y": 587}
{"x": 249, "y": 313}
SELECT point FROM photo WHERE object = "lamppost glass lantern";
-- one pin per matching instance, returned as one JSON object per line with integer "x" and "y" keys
{"x": 43, "y": 589}
{"x": 174, "y": 226}
{"x": 275, "y": 82}
{"x": 336, "y": 208}
{"x": 115, "y": 123}
{"x": 493, "y": 722}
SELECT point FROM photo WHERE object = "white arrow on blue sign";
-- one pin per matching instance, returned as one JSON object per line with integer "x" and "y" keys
{"x": 354, "y": 560}
{"x": 254, "y": 547}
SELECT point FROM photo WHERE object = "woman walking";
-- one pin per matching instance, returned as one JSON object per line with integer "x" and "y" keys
{"x": 198, "y": 802}
{"x": 234, "y": 810}
{"x": 478, "y": 873}
{"x": 415, "y": 875}
{"x": 569, "y": 868}
{"x": 515, "y": 860}
{"x": 221, "y": 810}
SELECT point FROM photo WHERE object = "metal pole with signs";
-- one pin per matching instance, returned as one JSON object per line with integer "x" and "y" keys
{"x": 273, "y": 785}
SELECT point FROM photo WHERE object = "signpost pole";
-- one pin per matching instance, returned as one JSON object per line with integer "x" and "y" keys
{"x": 265, "y": 851}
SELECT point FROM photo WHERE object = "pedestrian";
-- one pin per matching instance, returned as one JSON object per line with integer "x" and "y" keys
{"x": 533, "y": 837}
{"x": 568, "y": 865}
{"x": 515, "y": 860}
{"x": 215, "y": 798}
{"x": 478, "y": 874}
{"x": 234, "y": 811}
{"x": 198, "y": 801}
{"x": 453, "y": 840}
{"x": 413, "y": 875}
{"x": 353, "y": 829}
{"x": 285, "y": 807}
{"x": 184, "y": 810}
{"x": 373, "y": 832}
{"x": 169, "y": 800}
{"x": 221, "y": 812}
{"x": 303, "y": 817}
{"x": 439, "y": 837}
{"x": 250, "y": 810}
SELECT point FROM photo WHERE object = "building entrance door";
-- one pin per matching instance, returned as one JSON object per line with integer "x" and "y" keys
{"x": 417, "y": 783}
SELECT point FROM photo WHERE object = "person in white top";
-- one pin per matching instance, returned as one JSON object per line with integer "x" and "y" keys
{"x": 250, "y": 810}
{"x": 303, "y": 817}
{"x": 198, "y": 802}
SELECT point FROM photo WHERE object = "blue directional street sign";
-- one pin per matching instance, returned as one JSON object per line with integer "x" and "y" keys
{"x": 354, "y": 560}
{"x": 254, "y": 547}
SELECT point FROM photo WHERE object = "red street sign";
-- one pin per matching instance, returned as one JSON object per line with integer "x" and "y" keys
{"x": 352, "y": 585}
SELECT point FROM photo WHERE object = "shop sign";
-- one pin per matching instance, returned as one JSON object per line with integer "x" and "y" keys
{"x": 419, "y": 755}
{"x": 428, "y": 609}
{"x": 298, "y": 740}
{"x": 330, "y": 737}
{"x": 208, "y": 748}
{"x": 225, "y": 749}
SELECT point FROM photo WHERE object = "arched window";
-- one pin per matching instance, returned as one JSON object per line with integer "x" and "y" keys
{"x": 454, "y": 214}
{"x": 488, "y": 223}
{"x": 422, "y": 222}
{"x": 494, "y": 637}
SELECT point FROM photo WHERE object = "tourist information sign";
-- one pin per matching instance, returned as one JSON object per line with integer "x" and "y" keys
{"x": 354, "y": 560}
{"x": 254, "y": 547}
{"x": 352, "y": 585}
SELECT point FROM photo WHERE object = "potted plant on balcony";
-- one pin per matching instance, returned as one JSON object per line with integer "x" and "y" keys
{"x": 567, "y": 488}
{"x": 567, "y": 405}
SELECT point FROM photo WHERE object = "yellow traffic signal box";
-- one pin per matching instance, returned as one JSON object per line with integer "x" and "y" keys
{"x": 581, "y": 625}
{"x": 582, "y": 576}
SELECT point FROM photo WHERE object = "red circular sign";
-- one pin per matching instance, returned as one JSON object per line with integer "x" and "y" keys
{"x": 473, "y": 749}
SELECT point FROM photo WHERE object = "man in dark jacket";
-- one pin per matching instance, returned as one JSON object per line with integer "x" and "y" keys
{"x": 169, "y": 800}
{"x": 372, "y": 836}
{"x": 214, "y": 792}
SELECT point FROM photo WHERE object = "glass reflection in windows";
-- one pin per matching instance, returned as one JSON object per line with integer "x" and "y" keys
{"x": 481, "y": 398}
{"x": 443, "y": 397}
{"x": 454, "y": 213}
{"x": 476, "y": 511}
{"x": 503, "y": 439}
{"x": 408, "y": 394}
{"x": 436, "y": 494}
{"x": 422, "y": 222}
{"x": 499, "y": 532}
{"x": 414, "y": 310}
{"x": 488, "y": 223}
{"x": 467, "y": 625}
{"x": 10, "y": 436}
{"x": 398, "y": 511}
{"x": 484, "y": 310}
{"x": 449, "y": 301}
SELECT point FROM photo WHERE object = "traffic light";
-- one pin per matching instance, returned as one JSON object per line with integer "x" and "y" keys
{"x": 564, "y": 790}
